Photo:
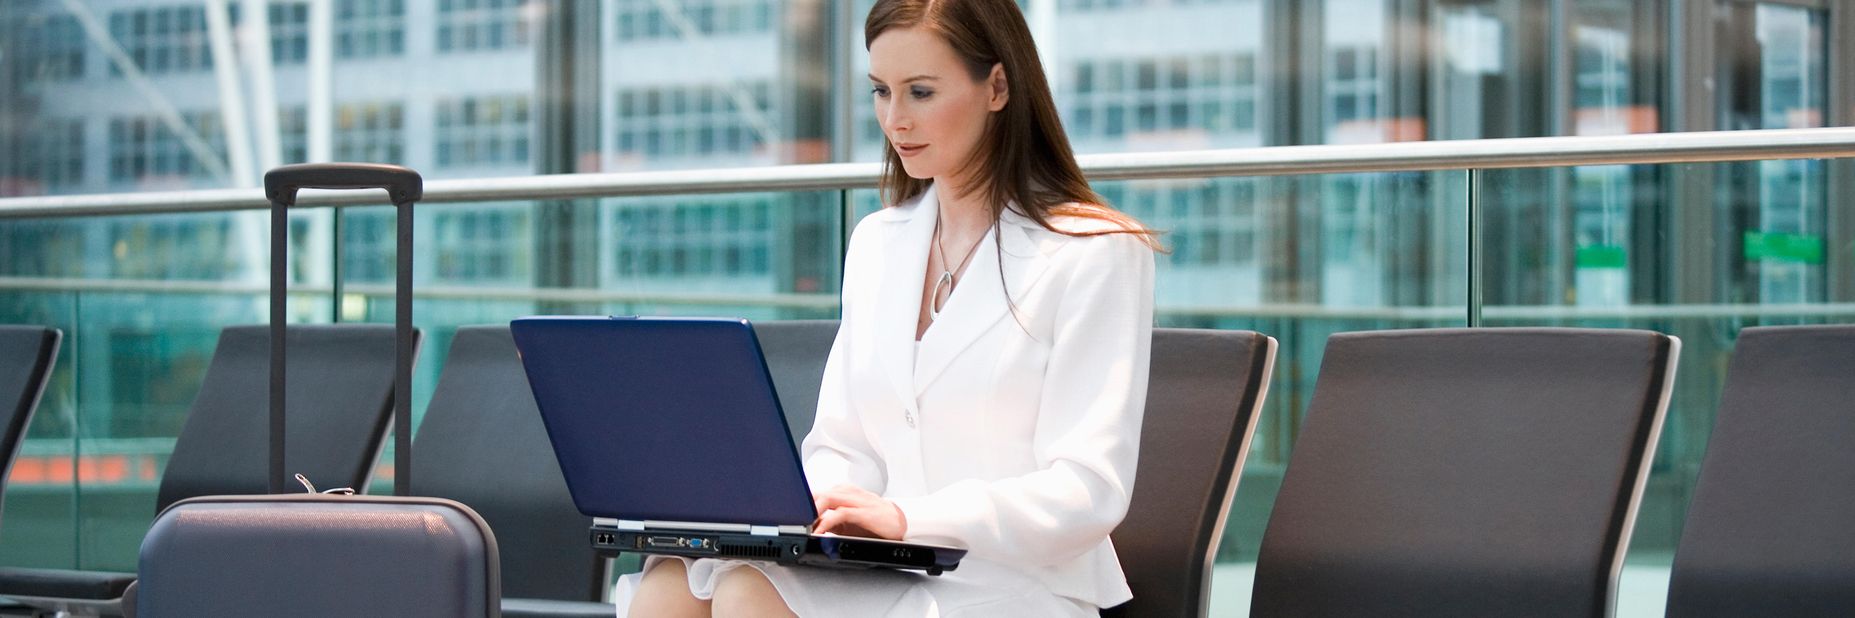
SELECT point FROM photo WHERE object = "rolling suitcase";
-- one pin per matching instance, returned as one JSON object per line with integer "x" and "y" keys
{"x": 320, "y": 554}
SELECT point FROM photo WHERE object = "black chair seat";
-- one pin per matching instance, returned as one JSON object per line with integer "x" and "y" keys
{"x": 27, "y": 355}
{"x": 549, "y": 608}
{"x": 1466, "y": 472}
{"x": 64, "y": 584}
{"x": 1768, "y": 532}
{"x": 1205, "y": 390}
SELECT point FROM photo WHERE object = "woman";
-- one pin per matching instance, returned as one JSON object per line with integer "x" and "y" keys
{"x": 986, "y": 386}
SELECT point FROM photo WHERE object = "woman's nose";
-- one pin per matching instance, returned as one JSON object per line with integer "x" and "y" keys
{"x": 897, "y": 119}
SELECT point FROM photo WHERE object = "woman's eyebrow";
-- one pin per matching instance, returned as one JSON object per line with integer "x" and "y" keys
{"x": 917, "y": 78}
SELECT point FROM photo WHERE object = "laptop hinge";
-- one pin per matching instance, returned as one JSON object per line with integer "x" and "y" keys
{"x": 627, "y": 524}
{"x": 763, "y": 530}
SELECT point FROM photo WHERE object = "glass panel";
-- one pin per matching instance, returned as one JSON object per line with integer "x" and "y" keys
{"x": 1707, "y": 320}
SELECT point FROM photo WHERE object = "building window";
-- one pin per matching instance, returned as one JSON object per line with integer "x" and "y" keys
{"x": 481, "y": 25}
{"x": 489, "y": 130}
{"x": 160, "y": 40}
{"x": 370, "y": 28}
{"x": 367, "y": 241}
{"x": 293, "y": 130}
{"x": 702, "y": 237}
{"x": 289, "y": 29}
{"x": 43, "y": 48}
{"x": 172, "y": 247}
{"x": 693, "y": 121}
{"x": 373, "y": 132}
{"x": 144, "y": 147}
{"x": 49, "y": 156}
{"x": 1352, "y": 89}
{"x": 289, "y": 32}
{"x": 646, "y": 19}
{"x": 1211, "y": 223}
{"x": 1113, "y": 97}
{"x": 481, "y": 244}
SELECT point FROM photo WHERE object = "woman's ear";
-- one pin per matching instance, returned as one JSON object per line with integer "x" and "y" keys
{"x": 1001, "y": 89}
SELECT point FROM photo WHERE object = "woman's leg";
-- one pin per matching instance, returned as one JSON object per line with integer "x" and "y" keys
{"x": 745, "y": 593}
{"x": 664, "y": 591}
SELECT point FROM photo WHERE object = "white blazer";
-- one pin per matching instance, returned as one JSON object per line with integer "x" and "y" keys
{"x": 1013, "y": 437}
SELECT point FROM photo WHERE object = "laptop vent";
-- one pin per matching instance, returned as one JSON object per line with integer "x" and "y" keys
{"x": 749, "y": 551}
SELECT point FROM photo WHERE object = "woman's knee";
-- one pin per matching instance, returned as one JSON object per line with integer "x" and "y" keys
{"x": 746, "y": 593}
{"x": 664, "y": 591}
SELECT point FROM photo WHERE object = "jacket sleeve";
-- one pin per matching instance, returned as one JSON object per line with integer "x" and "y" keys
{"x": 1087, "y": 433}
{"x": 837, "y": 451}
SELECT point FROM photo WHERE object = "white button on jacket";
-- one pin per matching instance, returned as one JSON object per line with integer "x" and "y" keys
{"x": 1020, "y": 420}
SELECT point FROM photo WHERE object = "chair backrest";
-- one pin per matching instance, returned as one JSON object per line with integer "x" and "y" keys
{"x": 1203, "y": 393}
{"x": 1466, "y": 472}
{"x": 1771, "y": 529}
{"x": 27, "y": 354}
{"x": 339, "y": 402}
{"x": 482, "y": 443}
{"x": 795, "y": 354}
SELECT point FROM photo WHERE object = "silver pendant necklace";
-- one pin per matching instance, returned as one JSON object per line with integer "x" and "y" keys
{"x": 946, "y": 275}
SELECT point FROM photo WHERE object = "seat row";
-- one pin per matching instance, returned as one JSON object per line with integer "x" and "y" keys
{"x": 1436, "y": 472}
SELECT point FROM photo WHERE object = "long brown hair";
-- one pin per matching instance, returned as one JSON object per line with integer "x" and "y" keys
{"x": 1024, "y": 158}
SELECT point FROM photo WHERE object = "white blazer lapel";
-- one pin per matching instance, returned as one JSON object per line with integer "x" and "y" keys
{"x": 980, "y": 300}
{"x": 904, "y": 266}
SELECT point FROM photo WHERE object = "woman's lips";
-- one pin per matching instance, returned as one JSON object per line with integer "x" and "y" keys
{"x": 909, "y": 150}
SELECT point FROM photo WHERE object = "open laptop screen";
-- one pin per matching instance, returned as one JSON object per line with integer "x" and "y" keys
{"x": 666, "y": 419}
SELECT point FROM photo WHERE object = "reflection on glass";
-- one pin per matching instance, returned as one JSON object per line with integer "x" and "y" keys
{"x": 1777, "y": 79}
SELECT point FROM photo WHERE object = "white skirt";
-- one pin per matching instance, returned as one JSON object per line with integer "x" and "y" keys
{"x": 977, "y": 588}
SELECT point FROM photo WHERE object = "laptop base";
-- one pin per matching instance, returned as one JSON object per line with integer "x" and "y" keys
{"x": 812, "y": 550}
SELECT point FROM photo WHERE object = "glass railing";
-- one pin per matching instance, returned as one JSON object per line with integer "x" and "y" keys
{"x": 1696, "y": 234}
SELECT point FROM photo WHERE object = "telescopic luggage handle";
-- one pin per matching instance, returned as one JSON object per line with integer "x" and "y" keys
{"x": 403, "y": 187}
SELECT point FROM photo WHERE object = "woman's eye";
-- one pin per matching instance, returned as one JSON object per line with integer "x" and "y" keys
{"x": 921, "y": 94}
{"x": 880, "y": 91}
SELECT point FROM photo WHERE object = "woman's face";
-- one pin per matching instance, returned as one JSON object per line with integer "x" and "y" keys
{"x": 929, "y": 107}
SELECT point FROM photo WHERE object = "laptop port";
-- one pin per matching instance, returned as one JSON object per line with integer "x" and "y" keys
{"x": 697, "y": 543}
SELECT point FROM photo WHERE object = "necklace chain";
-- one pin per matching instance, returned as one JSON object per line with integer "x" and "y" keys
{"x": 946, "y": 276}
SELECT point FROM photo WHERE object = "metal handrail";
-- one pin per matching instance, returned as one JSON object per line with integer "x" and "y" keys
{"x": 1534, "y": 152}
{"x": 829, "y": 300}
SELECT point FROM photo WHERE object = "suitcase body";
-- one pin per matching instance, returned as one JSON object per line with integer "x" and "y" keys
{"x": 318, "y": 555}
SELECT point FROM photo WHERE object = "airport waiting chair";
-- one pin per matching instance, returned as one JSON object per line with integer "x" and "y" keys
{"x": 482, "y": 443}
{"x": 795, "y": 352}
{"x": 1204, "y": 393}
{"x": 1466, "y": 472}
{"x": 339, "y": 398}
{"x": 27, "y": 354}
{"x": 1771, "y": 529}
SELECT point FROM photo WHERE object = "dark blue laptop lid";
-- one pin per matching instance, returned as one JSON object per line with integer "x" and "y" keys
{"x": 669, "y": 419}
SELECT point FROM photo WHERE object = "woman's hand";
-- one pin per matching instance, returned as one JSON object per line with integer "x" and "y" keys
{"x": 851, "y": 511}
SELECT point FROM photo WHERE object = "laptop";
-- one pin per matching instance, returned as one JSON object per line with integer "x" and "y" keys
{"x": 671, "y": 437}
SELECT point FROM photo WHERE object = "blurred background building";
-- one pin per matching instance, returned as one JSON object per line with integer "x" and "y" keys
{"x": 101, "y": 96}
